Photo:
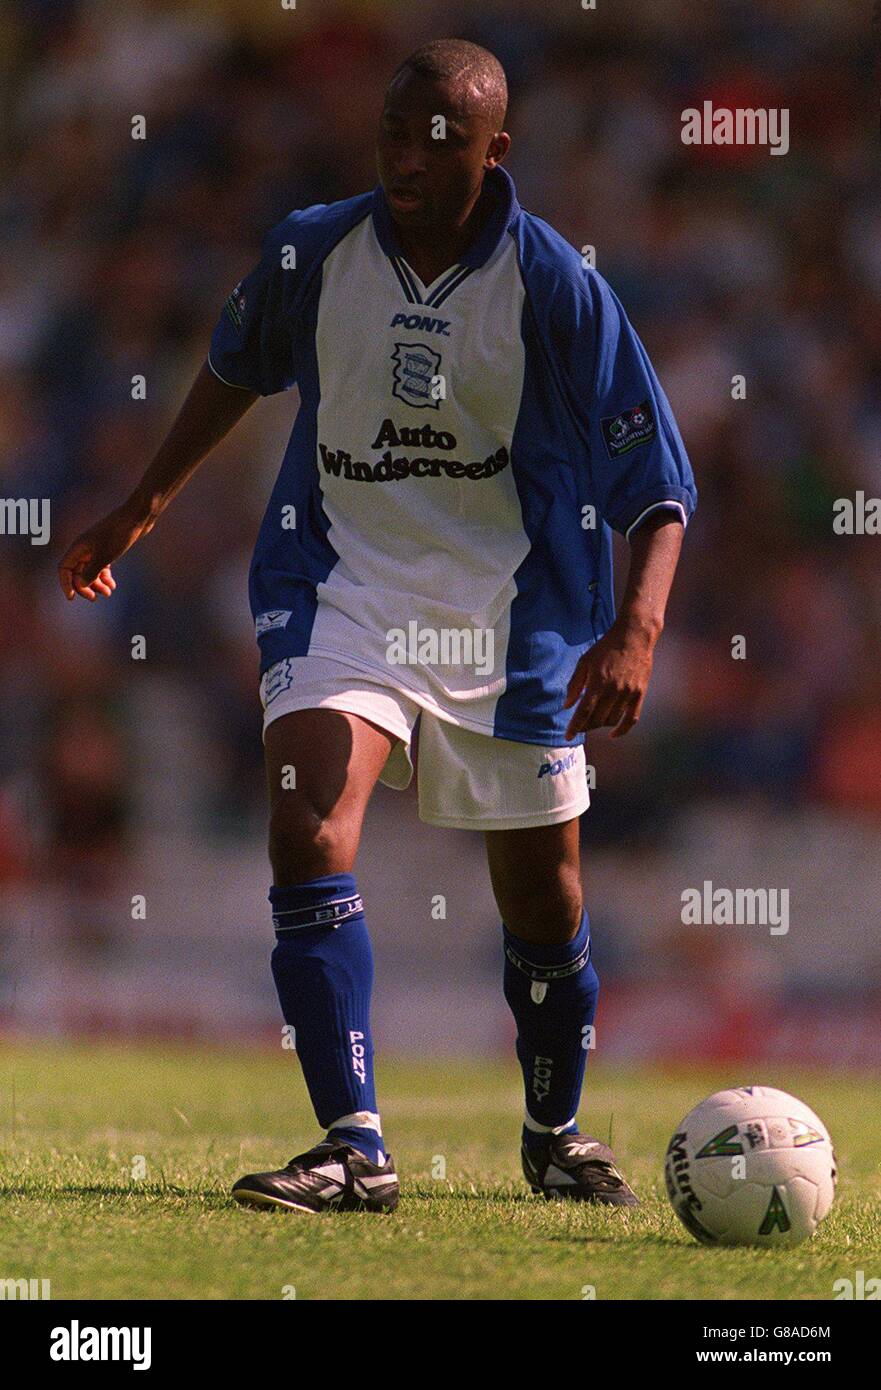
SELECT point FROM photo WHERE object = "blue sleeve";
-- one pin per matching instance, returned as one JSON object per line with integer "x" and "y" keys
{"x": 636, "y": 456}
{"x": 252, "y": 345}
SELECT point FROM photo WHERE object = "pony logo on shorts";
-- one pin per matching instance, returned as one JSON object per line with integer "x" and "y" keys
{"x": 553, "y": 769}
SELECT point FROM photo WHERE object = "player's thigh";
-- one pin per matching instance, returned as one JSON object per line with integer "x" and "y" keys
{"x": 536, "y": 879}
{"x": 321, "y": 767}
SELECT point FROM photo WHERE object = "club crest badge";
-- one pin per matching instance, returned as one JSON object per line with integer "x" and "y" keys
{"x": 415, "y": 368}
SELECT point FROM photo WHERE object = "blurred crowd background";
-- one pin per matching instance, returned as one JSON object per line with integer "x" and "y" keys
{"x": 124, "y": 778}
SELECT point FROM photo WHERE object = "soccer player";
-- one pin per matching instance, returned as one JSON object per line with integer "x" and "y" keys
{"x": 476, "y": 413}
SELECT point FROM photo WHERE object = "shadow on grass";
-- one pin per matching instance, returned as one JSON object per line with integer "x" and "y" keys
{"x": 76, "y": 1191}
{"x": 494, "y": 1197}
{"x": 634, "y": 1238}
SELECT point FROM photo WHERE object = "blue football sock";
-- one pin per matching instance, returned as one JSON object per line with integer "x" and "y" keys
{"x": 536, "y": 1142}
{"x": 323, "y": 970}
{"x": 552, "y": 992}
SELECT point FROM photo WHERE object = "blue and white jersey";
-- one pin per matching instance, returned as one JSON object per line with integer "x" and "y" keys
{"x": 461, "y": 451}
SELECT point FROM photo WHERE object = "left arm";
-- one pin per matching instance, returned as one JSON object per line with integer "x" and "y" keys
{"x": 610, "y": 681}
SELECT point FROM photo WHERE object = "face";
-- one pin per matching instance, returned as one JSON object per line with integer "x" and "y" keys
{"x": 432, "y": 182}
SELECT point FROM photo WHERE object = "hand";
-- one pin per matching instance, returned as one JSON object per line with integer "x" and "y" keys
{"x": 611, "y": 680}
{"x": 85, "y": 569}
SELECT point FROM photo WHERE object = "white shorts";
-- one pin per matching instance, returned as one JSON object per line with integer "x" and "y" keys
{"x": 467, "y": 780}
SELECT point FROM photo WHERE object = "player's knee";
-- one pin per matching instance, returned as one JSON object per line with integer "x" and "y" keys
{"x": 549, "y": 918}
{"x": 303, "y": 843}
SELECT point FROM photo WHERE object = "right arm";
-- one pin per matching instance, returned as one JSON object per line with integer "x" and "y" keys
{"x": 208, "y": 414}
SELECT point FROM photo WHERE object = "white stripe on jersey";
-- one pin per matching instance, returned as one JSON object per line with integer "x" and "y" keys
{"x": 441, "y": 550}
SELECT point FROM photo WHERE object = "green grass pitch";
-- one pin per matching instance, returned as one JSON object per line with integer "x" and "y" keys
{"x": 115, "y": 1166}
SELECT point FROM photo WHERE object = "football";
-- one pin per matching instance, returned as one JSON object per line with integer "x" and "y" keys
{"x": 751, "y": 1166}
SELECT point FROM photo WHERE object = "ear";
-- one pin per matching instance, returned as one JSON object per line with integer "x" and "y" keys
{"x": 496, "y": 150}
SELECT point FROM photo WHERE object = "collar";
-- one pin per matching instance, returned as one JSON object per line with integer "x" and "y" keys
{"x": 497, "y": 183}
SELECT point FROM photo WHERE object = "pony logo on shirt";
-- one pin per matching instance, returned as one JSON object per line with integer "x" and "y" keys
{"x": 276, "y": 617}
{"x": 416, "y": 367}
{"x": 623, "y": 432}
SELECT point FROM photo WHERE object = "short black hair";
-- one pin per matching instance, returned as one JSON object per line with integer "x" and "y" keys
{"x": 461, "y": 63}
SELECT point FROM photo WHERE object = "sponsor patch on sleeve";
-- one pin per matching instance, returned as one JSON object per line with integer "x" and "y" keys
{"x": 623, "y": 432}
{"x": 235, "y": 306}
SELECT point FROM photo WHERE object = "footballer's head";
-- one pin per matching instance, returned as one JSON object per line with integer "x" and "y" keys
{"x": 441, "y": 129}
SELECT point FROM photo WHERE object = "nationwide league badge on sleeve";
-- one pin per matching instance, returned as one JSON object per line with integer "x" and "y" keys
{"x": 623, "y": 432}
